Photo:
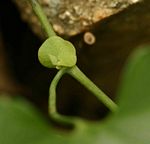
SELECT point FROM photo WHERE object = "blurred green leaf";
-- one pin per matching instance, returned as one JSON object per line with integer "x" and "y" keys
{"x": 20, "y": 123}
{"x": 134, "y": 93}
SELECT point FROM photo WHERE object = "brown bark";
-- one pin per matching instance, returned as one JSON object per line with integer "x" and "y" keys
{"x": 70, "y": 17}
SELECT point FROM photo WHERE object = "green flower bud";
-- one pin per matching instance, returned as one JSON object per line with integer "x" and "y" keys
{"x": 56, "y": 52}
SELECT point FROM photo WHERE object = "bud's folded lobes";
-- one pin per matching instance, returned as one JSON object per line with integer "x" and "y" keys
{"x": 56, "y": 52}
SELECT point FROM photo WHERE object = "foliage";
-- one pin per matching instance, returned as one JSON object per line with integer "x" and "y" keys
{"x": 20, "y": 123}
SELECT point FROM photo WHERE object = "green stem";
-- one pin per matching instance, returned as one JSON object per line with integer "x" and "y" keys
{"x": 74, "y": 72}
{"x": 42, "y": 17}
{"x": 84, "y": 80}
{"x": 78, "y": 123}
{"x": 52, "y": 101}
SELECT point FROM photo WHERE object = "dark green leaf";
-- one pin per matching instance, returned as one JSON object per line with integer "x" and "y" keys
{"x": 20, "y": 123}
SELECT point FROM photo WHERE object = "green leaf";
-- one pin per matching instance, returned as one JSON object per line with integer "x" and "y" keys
{"x": 136, "y": 83}
{"x": 20, "y": 123}
{"x": 56, "y": 52}
{"x": 131, "y": 124}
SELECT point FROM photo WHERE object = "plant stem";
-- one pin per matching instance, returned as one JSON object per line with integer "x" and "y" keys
{"x": 84, "y": 80}
{"x": 42, "y": 17}
{"x": 74, "y": 71}
{"x": 52, "y": 101}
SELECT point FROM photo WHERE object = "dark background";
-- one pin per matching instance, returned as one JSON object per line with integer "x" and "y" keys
{"x": 102, "y": 62}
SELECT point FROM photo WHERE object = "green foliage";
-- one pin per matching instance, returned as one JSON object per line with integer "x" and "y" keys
{"x": 56, "y": 52}
{"x": 20, "y": 123}
{"x": 136, "y": 83}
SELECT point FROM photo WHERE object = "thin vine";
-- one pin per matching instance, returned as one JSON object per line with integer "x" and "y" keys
{"x": 58, "y": 53}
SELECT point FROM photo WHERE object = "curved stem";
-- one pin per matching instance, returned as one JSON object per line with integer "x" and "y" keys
{"x": 84, "y": 80}
{"x": 42, "y": 17}
{"x": 74, "y": 72}
{"x": 52, "y": 100}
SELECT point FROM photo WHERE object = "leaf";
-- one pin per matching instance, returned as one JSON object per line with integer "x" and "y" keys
{"x": 136, "y": 83}
{"x": 131, "y": 124}
{"x": 20, "y": 123}
{"x": 134, "y": 98}
{"x": 56, "y": 52}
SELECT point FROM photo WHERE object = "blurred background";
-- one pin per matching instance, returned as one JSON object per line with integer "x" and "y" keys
{"x": 21, "y": 74}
